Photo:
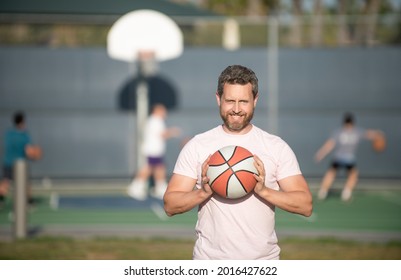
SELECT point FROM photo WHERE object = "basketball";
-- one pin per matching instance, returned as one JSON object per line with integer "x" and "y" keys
{"x": 33, "y": 152}
{"x": 231, "y": 171}
{"x": 379, "y": 143}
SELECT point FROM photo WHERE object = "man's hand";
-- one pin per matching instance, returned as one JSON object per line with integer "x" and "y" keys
{"x": 205, "y": 180}
{"x": 260, "y": 185}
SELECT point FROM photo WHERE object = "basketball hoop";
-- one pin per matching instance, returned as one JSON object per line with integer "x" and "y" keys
{"x": 145, "y": 37}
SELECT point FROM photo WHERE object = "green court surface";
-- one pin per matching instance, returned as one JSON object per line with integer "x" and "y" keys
{"x": 371, "y": 215}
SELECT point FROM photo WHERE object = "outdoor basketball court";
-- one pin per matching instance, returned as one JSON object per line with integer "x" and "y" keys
{"x": 95, "y": 209}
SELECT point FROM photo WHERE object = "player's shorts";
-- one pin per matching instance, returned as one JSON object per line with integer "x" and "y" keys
{"x": 336, "y": 164}
{"x": 155, "y": 161}
{"x": 8, "y": 172}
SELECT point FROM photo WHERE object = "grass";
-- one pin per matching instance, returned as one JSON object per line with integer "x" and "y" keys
{"x": 331, "y": 215}
{"x": 55, "y": 248}
{"x": 334, "y": 249}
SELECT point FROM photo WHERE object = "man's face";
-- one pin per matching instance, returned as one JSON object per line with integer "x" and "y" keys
{"x": 236, "y": 107}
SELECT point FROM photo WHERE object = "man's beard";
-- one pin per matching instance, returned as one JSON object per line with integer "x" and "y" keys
{"x": 236, "y": 126}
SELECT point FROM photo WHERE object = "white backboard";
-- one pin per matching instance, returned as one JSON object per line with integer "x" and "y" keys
{"x": 144, "y": 31}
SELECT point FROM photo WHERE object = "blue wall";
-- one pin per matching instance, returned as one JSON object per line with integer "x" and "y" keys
{"x": 76, "y": 103}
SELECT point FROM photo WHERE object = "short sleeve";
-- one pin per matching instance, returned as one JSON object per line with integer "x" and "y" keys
{"x": 287, "y": 164}
{"x": 187, "y": 161}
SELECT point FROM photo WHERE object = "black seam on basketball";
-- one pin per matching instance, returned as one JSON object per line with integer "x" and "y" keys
{"x": 233, "y": 171}
{"x": 242, "y": 160}
{"x": 229, "y": 177}
{"x": 221, "y": 173}
{"x": 227, "y": 160}
{"x": 244, "y": 170}
{"x": 235, "y": 149}
{"x": 235, "y": 174}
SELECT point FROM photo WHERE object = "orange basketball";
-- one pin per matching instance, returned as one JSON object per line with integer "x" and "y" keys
{"x": 33, "y": 152}
{"x": 379, "y": 143}
{"x": 231, "y": 172}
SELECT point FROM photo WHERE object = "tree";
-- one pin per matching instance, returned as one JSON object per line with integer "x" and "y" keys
{"x": 343, "y": 35}
{"x": 296, "y": 31}
{"x": 366, "y": 29}
{"x": 316, "y": 33}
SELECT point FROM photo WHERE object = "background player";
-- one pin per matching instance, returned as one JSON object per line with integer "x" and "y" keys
{"x": 154, "y": 148}
{"x": 17, "y": 145}
{"x": 345, "y": 141}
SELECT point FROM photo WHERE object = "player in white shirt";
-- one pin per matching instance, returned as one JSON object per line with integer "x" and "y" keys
{"x": 154, "y": 147}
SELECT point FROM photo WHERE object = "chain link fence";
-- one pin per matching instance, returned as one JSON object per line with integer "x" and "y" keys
{"x": 232, "y": 33}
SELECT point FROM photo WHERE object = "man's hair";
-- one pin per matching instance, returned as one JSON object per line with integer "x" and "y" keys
{"x": 348, "y": 118}
{"x": 237, "y": 74}
{"x": 19, "y": 118}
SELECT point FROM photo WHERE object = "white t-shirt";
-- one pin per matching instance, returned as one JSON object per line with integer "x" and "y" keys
{"x": 154, "y": 145}
{"x": 241, "y": 228}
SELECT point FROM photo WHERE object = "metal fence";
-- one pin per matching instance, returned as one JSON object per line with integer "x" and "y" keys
{"x": 300, "y": 32}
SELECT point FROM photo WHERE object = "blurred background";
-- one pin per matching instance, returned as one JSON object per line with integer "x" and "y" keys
{"x": 323, "y": 58}
{"x": 334, "y": 56}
